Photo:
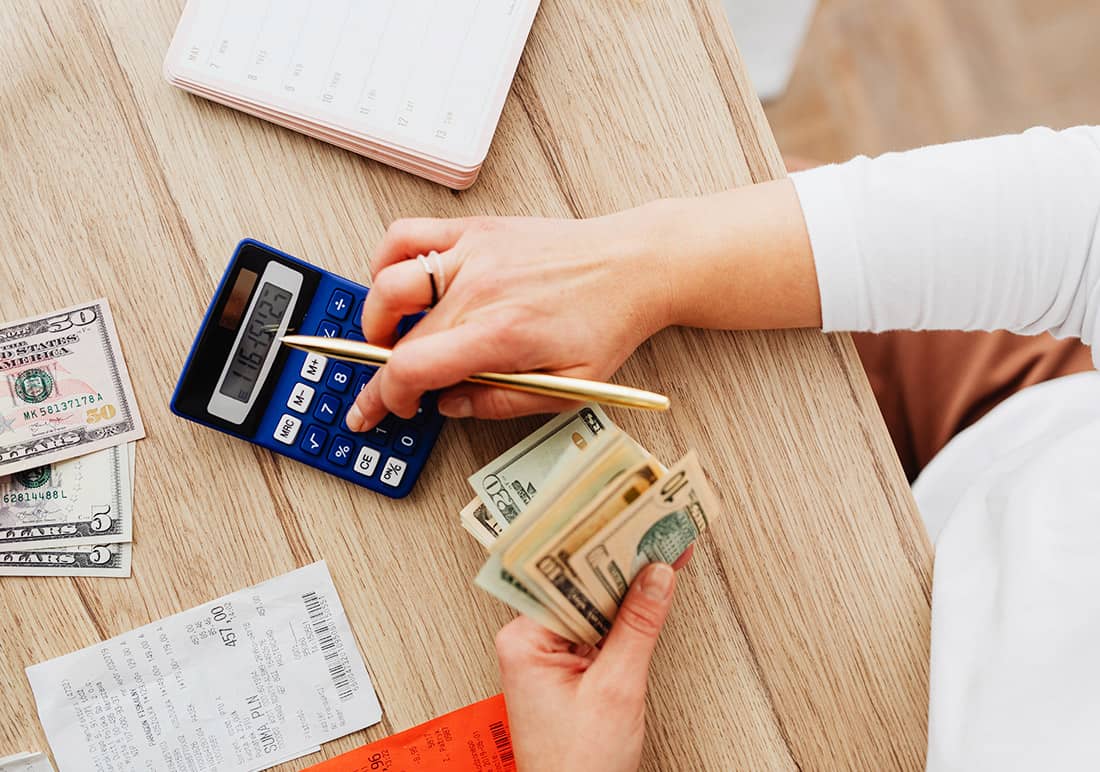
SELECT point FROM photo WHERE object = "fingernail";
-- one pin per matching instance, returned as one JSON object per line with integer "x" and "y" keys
{"x": 456, "y": 407}
{"x": 354, "y": 419}
{"x": 657, "y": 581}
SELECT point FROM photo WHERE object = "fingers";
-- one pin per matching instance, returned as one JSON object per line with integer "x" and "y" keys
{"x": 415, "y": 236}
{"x": 626, "y": 654}
{"x": 422, "y": 364}
{"x": 400, "y": 289}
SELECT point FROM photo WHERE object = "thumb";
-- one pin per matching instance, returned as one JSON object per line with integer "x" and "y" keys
{"x": 629, "y": 647}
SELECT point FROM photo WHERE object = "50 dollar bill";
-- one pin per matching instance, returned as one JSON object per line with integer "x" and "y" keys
{"x": 64, "y": 388}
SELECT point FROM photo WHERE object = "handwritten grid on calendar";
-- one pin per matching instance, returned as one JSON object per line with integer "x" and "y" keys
{"x": 413, "y": 73}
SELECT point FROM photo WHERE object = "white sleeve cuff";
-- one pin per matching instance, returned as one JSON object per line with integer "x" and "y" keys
{"x": 835, "y": 242}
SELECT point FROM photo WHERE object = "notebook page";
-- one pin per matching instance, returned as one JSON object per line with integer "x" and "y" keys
{"x": 426, "y": 76}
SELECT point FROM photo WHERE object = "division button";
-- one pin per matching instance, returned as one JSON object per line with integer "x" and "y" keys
{"x": 339, "y": 305}
{"x": 287, "y": 429}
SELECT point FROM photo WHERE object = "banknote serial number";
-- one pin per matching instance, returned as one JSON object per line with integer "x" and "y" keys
{"x": 94, "y": 415}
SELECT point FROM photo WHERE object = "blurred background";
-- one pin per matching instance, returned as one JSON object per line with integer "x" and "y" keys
{"x": 844, "y": 77}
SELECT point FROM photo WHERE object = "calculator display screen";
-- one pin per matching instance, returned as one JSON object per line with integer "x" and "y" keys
{"x": 255, "y": 343}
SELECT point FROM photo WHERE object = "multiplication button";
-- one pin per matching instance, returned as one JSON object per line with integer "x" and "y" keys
{"x": 393, "y": 471}
{"x": 367, "y": 461}
{"x": 313, "y": 369}
{"x": 286, "y": 431}
{"x": 300, "y": 398}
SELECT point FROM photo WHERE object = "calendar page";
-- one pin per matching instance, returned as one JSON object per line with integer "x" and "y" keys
{"x": 426, "y": 77}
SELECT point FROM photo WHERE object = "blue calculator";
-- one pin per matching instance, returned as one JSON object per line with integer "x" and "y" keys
{"x": 237, "y": 380}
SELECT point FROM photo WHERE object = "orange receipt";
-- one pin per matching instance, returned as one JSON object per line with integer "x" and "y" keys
{"x": 471, "y": 739}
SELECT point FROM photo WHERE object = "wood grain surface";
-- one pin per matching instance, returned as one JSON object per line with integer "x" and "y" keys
{"x": 799, "y": 637}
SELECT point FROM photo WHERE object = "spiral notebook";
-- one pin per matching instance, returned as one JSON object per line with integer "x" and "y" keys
{"x": 417, "y": 84}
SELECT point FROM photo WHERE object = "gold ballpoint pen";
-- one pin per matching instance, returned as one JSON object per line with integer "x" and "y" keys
{"x": 534, "y": 383}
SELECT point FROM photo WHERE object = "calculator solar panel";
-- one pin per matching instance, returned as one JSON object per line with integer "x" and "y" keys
{"x": 239, "y": 381}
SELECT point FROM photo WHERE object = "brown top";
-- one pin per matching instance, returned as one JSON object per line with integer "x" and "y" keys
{"x": 799, "y": 636}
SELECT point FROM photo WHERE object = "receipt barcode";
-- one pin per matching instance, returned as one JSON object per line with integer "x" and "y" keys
{"x": 320, "y": 618}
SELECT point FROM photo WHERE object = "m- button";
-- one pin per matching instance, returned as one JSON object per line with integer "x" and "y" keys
{"x": 300, "y": 398}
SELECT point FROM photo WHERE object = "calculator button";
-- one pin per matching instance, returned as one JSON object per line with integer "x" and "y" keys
{"x": 392, "y": 471}
{"x": 287, "y": 429}
{"x": 367, "y": 461}
{"x": 300, "y": 398}
{"x": 359, "y": 311}
{"x": 339, "y": 378}
{"x": 361, "y": 384}
{"x": 356, "y": 336}
{"x": 340, "y": 452}
{"x": 314, "y": 440}
{"x": 327, "y": 329}
{"x": 381, "y": 434}
{"x": 314, "y": 367}
{"x": 406, "y": 441}
{"x": 327, "y": 408}
{"x": 339, "y": 305}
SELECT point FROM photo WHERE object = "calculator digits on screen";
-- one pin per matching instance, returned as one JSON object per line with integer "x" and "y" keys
{"x": 237, "y": 379}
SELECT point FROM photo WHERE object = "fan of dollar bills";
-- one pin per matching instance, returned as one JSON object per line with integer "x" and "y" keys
{"x": 573, "y": 512}
{"x": 68, "y": 421}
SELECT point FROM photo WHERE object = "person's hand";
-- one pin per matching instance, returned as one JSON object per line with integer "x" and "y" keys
{"x": 576, "y": 297}
{"x": 571, "y": 297}
{"x": 576, "y": 708}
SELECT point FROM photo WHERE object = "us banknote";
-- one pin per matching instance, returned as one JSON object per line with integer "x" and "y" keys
{"x": 64, "y": 388}
{"x": 596, "y": 515}
{"x": 507, "y": 484}
{"x": 82, "y": 501}
{"x": 109, "y": 560}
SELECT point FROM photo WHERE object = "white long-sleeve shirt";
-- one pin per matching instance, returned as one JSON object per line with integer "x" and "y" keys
{"x": 1001, "y": 233}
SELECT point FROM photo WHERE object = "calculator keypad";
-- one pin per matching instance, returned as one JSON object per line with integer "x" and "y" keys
{"x": 320, "y": 393}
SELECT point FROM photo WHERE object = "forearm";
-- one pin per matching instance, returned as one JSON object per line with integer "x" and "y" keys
{"x": 735, "y": 260}
{"x": 998, "y": 233}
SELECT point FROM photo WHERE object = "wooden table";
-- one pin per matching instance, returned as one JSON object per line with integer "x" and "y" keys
{"x": 799, "y": 638}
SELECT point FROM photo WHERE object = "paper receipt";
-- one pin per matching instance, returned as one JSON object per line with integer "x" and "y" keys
{"x": 238, "y": 684}
{"x": 471, "y": 739}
